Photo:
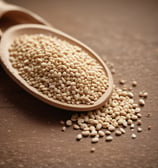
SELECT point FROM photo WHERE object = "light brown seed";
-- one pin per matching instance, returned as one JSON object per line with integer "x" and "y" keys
{"x": 107, "y": 132}
{"x": 141, "y": 102}
{"x": 118, "y": 133}
{"x": 139, "y": 122}
{"x": 134, "y": 117}
{"x": 133, "y": 136}
{"x": 79, "y": 137}
{"x": 92, "y": 150}
{"x": 93, "y": 133}
{"x": 109, "y": 138}
{"x": 149, "y": 127}
{"x": 140, "y": 94}
{"x": 85, "y": 133}
{"x": 134, "y": 83}
{"x": 122, "y": 81}
{"x": 139, "y": 129}
{"x": 101, "y": 133}
{"x": 132, "y": 126}
{"x": 75, "y": 126}
{"x": 111, "y": 128}
{"x": 145, "y": 95}
{"x": 95, "y": 140}
{"x": 68, "y": 122}
{"x": 63, "y": 129}
{"x": 122, "y": 130}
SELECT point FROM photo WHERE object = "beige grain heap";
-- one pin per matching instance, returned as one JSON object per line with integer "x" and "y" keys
{"x": 58, "y": 69}
{"x": 119, "y": 112}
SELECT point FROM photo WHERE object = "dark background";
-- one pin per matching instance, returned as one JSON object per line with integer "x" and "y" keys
{"x": 123, "y": 32}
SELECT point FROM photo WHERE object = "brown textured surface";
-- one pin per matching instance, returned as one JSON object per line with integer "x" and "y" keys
{"x": 124, "y": 32}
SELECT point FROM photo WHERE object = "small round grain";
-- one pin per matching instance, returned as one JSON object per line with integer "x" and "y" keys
{"x": 95, "y": 140}
{"x": 79, "y": 137}
{"x": 133, "y": 136}
{"x": 109, "y": 138}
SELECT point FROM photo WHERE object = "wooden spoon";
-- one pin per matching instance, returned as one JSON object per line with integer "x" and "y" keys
{"x": 15, "y": 31}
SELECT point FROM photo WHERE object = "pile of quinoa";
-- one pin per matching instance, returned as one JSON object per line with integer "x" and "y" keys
{"x": 118, "y": 113}
{"x": 58, "y": 69}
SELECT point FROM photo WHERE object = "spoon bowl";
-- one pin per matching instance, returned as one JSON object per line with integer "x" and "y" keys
{"x": 16, "y": 31}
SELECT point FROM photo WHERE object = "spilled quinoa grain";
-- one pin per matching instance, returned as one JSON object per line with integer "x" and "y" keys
{"x": 119, "y": 112}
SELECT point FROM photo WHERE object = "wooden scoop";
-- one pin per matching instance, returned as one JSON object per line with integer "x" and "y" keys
{"x": 12, "y": 15}
{"x": 15, "y": 31}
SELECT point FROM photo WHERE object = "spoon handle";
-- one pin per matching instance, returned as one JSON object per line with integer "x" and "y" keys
{"x": 20, "y": 15}
{"x": 5, "y": 7}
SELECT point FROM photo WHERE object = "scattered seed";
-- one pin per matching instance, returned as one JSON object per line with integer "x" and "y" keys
{"x": 99, "y": 126}
{"x": 135, "y": 105}
{"x": 139, "y": 129}
{"x": 141, "y": 102}
{"x": 111, "y": 128}
{"x": 92, "y": 128}
{"x": 149, "y": 127}
{"x": 130, "y": 94}
{"x": 139, "y": 115}
{"x": 118, "y": 133}
{"x": 109, "y": 138}
{"x": 141, "y": 94}
{"x": 134, "y": 83}
{"x": 79, "y": 137}
{"x": 95, "y": 140}
{"x": 124, "y": 123}
{"x": 92, "y": 150}
{"x": 101, "y": 133}
{"x": 120, "y": 111}
{"x": 137, "y": 110}
{"x": 124, "y": 88}
{"x": 122, "y": 130}
{"x": 145, "y": 95}
{"x": 86, "y": 129}
{"x": 63, "y": 129}
{"x": 93, "y": 133}
{"x": 68, "y": 122}
{"x": 130, "y": 88}
{"x": 133, "y": 136}
{"x": 97, "y": 136}
{"x": 85, "y": 133}
{"x": 122, "y": 81}
{"x": 139, "y": 122}
{"x": 75, "y": 126}
{"x": 107, "y": 132}
{"x": 134, "y": 117}
{"x": 132, "y": 126}
{"x": 129, "y": 122}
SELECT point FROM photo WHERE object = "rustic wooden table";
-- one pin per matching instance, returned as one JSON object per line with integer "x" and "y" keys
{"x": 123, "y": 32}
